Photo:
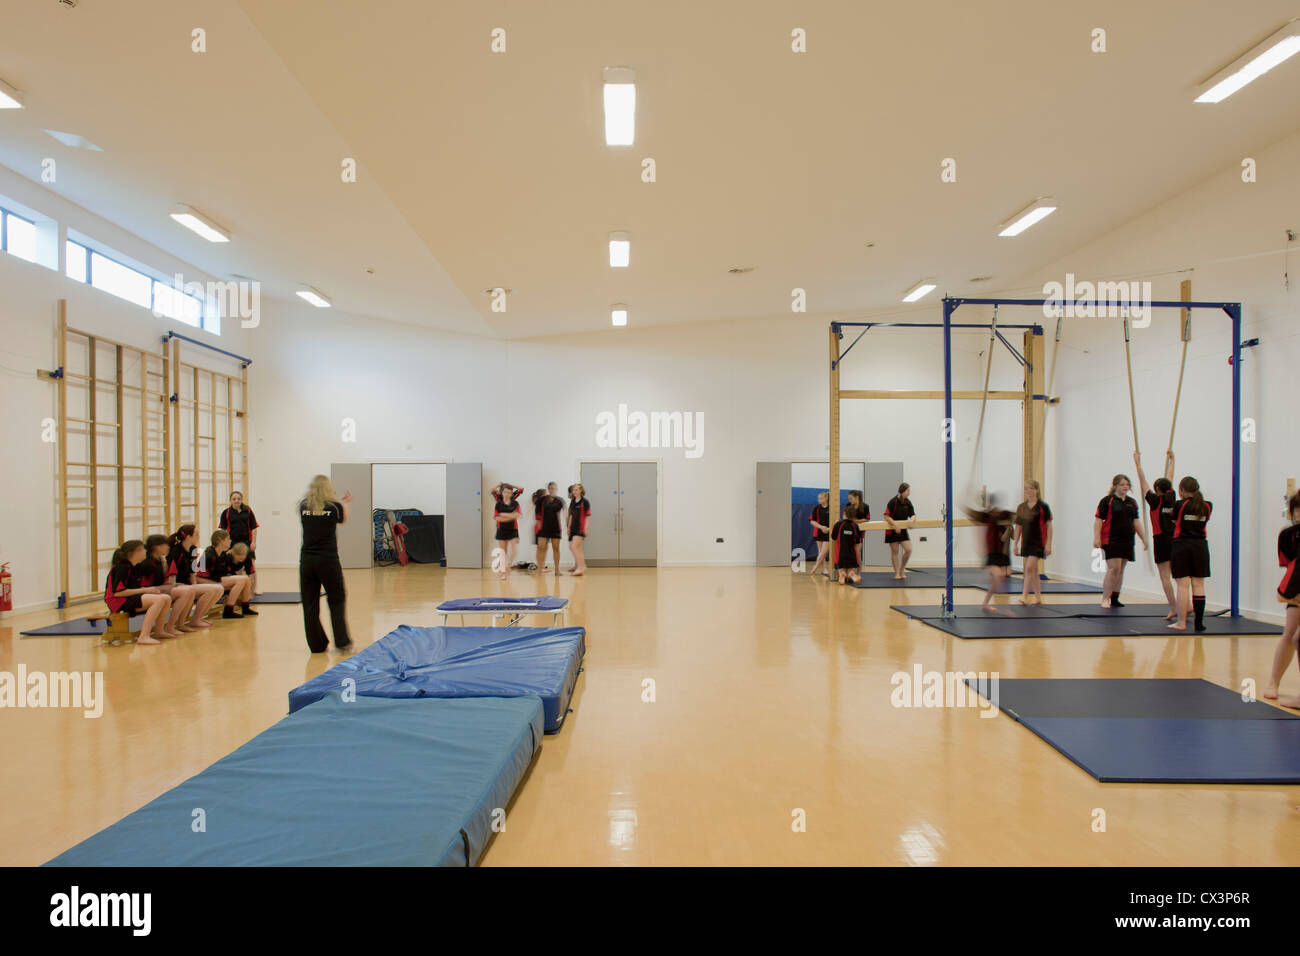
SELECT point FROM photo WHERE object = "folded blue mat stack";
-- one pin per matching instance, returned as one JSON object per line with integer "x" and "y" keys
{"x": 461, "y": 662}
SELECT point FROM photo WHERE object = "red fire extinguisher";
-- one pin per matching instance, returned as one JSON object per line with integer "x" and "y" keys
{"x": 6, "y": 591}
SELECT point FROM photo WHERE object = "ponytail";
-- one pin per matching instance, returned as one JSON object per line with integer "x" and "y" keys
{"x": 127, "y": 549}
{"x": 183, "y": 532}
{"x": 1192, "y": 488}
{"x": 219, "y": 535}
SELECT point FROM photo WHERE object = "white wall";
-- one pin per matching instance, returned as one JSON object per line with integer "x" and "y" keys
{"x": 422, "y": 486}
{"x": 1227, "y": 237}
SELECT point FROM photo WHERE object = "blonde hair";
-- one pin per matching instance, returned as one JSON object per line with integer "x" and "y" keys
{"x": 319, "y": 491}
{"x": 582, "y": 492}
{"x": 239, "y": 548}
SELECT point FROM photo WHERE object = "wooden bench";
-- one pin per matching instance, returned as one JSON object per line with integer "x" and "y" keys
{"x": 118, "y": 630}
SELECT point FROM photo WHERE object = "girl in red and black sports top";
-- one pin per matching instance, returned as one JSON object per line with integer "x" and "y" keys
{"x": 999, "y": 528}
{"x": 240, "y": 521}
{"x": 122, "y": 596}
{"x": 821, "y": 523}
{"x": 846, "y": 536}
{"x": 1288, "y": 592}
{"x": 547, "y": 509}
{"x": 506, "y": 515}
{"x": 153, "y": 572}
{"x": 1033, "y": 538}
{"x": 180, "y": 570}
{"x": 217, "y": 565}
{"x": 1116, "y": 523}
{"x": 1189, "y": 559}
{"x": 579, "y": 515}
{"x": 1160, "y": 498}
{"x": 899, "y": 516}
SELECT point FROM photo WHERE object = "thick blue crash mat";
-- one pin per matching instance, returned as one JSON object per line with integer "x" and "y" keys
{"x": 363, "y": 783}
{"x": 461, "y": 662}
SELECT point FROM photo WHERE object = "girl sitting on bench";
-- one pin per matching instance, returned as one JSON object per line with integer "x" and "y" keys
{"x": 122, "y": 598}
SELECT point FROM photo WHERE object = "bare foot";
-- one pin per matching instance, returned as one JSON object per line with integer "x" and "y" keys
{"x": 185, "y": 629}
{"x": 146, "y": 639}
{"x": 578, "y": 574}
{"x": 1292, "y": 702}
{"x": 1177, "y": 627}
{"x": 1172, "y": 615}
{"x": 1106, "y": 605}
{"x": 1270, "y": 693}
{"x": 193, "y": 623}
{"x": 168, "y": 632}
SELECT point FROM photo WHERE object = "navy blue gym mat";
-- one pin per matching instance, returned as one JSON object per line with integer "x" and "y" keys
{"x": 79, "y": 627}
{"x": 927, "y": 577}
{"x": 277, "y": 597}
{"x": 1158, "y": 731}
{"x": 367, "y": 782}
{"x": 1071, "y": 620}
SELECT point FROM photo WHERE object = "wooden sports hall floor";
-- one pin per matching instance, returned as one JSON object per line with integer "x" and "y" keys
{"x": 772, "y": 693}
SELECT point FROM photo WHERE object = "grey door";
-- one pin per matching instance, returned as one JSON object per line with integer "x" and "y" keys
{"x": 357, "y": 535}
{"x": 638, "y": 514}
{"x": 600, "y": 479}
{"x": 463, "y": 522}
{"x": 772, "y": 521}
{"x": 883, "y": 479}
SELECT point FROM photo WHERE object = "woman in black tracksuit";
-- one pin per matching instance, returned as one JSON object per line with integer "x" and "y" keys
{"x": 322, "y": 511}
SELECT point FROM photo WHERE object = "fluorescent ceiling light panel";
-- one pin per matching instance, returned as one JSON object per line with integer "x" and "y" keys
{"x": 194, "y": 220}
{"x": 920, "y": 290}
{"x": 618, "y": 314}
{"x": 1277, "y": 49}
{"x": 10, "y": 98}
{"x": 314, "y": 297}
{"x": 1035, "y": 212}
{"x": 620, "y": 250}
{"x": 73, "y": 141}
{"x": 620, "y": 106}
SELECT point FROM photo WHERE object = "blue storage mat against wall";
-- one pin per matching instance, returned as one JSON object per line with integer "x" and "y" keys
{"x": 461, "y": 662}
{"x": 363, "y": 783}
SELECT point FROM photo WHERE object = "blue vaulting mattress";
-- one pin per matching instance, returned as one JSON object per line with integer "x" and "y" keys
{"x": 461, "y": 662}
{"x": 544, "y": 604}
{"x": 363, "y": 783}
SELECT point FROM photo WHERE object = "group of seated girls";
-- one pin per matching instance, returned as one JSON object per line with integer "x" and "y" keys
{"x": 174, "y": 586}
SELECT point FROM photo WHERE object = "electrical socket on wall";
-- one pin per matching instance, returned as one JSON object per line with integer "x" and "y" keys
{"x": 719, "y": 540}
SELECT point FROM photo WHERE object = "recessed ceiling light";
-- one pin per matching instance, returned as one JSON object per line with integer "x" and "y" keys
{"x": 195, "y": 221}
{"x": 620, "y": 105}
{"x": 1036, "y": 211}
{"x": 73, "y": 141}
{"x": 740, "y": 270}
{"x": 920, "y": 290}
{"x": 10, "y": 98}
{"x": 620, "y": 250}
{"x": 314, "y": 297}
{"x": 618, "y": 314}
{"x": 1277, "y": 49}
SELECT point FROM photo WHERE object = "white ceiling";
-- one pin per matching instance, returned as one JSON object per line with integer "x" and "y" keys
{"x": 480, "y": 170}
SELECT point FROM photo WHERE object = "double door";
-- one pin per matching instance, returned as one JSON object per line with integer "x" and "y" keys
{"x": 624, "y": 525}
